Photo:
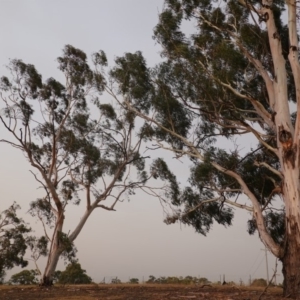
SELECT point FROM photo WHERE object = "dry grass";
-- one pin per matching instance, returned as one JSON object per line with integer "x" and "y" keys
{"x": 138, "y": 291}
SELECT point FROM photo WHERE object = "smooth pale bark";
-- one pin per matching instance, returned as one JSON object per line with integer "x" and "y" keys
{"x": 53, "y": 259}
{"x": 56, "y": 248}
{"x": 288, "y": 150}
{"x": 54, "y": 253}
{"x": 287, "y": 145}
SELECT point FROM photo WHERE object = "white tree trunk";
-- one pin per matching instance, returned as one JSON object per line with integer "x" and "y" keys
{"x": 53, "y": 259}
{"x": 57, "y": 248}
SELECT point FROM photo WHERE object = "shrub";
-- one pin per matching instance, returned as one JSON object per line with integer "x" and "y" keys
{"x": 25, "y": 277}
{"x": 134, "y": 281}
{"x": 259, "y": 282}
{"x": 74, "y": 274}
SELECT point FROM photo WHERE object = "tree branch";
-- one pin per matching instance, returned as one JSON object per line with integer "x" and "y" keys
{"x": 264, "y": 164}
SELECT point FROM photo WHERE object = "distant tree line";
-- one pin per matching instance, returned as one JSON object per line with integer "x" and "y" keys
{"x": 74, "y": 274}
{"x": 178, "y": 280}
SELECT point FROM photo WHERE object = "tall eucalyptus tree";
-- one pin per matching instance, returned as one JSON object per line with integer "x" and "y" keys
{"x": 81, "y": 151}
{"x": 236, "y": 75}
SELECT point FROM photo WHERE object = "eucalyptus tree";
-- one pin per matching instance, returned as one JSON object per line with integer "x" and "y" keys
{"x": 81, "y": 151}
{"x": 230, "y": 71}
{"x": 13, "y": 240}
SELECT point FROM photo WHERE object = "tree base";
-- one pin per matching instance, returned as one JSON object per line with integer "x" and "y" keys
{"x": 291, "y": 269}
{"x": 46, "y": 282}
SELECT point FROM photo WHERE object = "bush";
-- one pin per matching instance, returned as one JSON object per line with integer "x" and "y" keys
{"x": 178, "y": 280}
{"x": 134, "y": 281}
{"x": 74, "y": 274}
{"x": 259, "y": 282}
{"x": 25, "y": 277}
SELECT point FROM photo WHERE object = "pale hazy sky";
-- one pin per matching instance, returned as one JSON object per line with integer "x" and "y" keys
{"x": 133, "y": 241}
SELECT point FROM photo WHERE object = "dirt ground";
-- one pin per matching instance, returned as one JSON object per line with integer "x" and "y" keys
{"x": 137, "y": 292}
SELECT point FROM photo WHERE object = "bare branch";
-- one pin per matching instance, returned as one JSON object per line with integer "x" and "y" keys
{"x": 105, "y": 207}
{"x": 264, "y": 164}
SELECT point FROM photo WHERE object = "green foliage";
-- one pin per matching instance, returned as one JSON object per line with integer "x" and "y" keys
{"x": 133, "y": 79}
{"x": 134, "y": 281}
{"x": 69, "y": 249}
{"x": 56, "y": 276}
{"x": 73, "y": 274}
{"x": 108, "y": 111}
{"x": 25, "y": 277}
{"x": 13, "y": 239}
{"x": 74, "y": 64}
{"x": 275, "y": 222}
{"x": 177, "y": 280}
{"x": 74, "y": 141}
{"x": 207, "y": 91}
{"x": 2, "y": 276}
{"x": 38, "y": 247}
{"x": 159, "y": 169}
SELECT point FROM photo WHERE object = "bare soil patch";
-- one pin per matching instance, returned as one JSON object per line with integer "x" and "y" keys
{"x": 137, "y": 292}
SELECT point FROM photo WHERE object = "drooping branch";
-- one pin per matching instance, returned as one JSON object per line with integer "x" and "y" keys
{"x": 276, "y": 249}
{"x": 261, "y": 226}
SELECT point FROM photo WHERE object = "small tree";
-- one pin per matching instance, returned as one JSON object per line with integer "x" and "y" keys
{"x": 259, "y": 282}
{"x": 25, "y": 277}
{"x": 74, "y": 274}
{"x": 13, "y": 240}
{"x": 133, "y": 281}
{"x": 151, "y": 279}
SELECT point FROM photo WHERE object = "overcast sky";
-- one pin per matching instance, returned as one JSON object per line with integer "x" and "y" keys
{"x": 133, "y": 241}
